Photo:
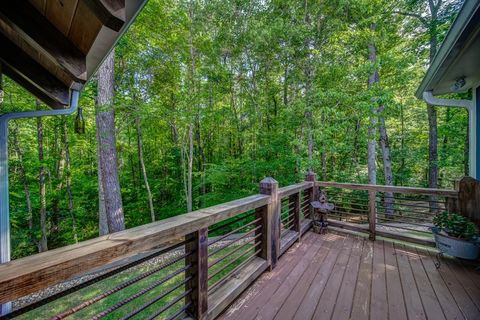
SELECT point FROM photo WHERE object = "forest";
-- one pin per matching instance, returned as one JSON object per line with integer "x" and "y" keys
{"x": 201, "y": 99}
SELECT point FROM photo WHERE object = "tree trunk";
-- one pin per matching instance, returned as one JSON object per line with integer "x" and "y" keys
{"x": 66, "y": 146}
{"x": 466, "y": 152}
{"x": 190, "y": 169}
{"x": 308, "y": 88}
{"x": 60, "y": 170}
{"x": 105, "y": 120}
{"x": 194, "y": 103}
{"x": 23, "y": 178}
{"x": 433, "y": 155}
{"x": 187, "y": 165}
{"x": 444, "y": 153}
{"x": 285, "y": 85}
{"x": 387, "y": 161}
{"x": 432, "y": 112}
{"x": 372, "y": 141}
{"x": 402, "y": 144}
{"x": 142, "y": 166}
{"x": 43, "y": 243}
{"x": 102, "y": 212}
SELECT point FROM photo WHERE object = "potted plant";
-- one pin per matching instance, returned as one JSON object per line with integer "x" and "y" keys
{"x": 456, "y": 236}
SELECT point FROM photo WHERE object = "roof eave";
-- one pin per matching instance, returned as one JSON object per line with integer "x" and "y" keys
{"x": 465, "y": 15}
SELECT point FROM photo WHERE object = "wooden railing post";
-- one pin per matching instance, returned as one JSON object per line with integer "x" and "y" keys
{"x": 294, "y": 202}
{"x": 372, "y": 213}
{"x": 271, "y": 222}
{"x": 197, "y": 243}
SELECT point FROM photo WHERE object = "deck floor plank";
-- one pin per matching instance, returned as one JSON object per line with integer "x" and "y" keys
{"x": 463, "y": 300}
{"x": 396, "y": 303}
{"x": 361, "y": 299}
{"x": 344, "y": 302}
{"x": 247, "y": 305}
{"x": 307, "y": 306}
{"x": 270, "y": 309}
{"x": 470, "y": 269}
{"x": 445, "y": 298}
{"x": 465, "y": 280}
{"x": 342, "y": 276}
{"x": 326, "y": 303}
{"x": 289, "y": 307}
{"x": 432, "y": 307}
{"x": 411, "y": 296}
{"x": 379, "y": 303}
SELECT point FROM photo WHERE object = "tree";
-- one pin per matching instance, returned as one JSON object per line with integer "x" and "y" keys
{"x": 210, "y": 97}
{"x": 43, "y": 243}
{"x": 109, "y": 187}
{"x": 142, "y": 166}
{"x": 373, "y": 79}
{"x": 433, "y": 17}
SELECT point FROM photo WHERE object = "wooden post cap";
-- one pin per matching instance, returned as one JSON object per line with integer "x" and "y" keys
{"x": 310, "y": 176}
{"x": 268, "y": 186}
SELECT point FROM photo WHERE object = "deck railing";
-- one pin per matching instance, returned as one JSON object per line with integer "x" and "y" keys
{"x": 404, "y": 213}
{"x": 192, "y": 265}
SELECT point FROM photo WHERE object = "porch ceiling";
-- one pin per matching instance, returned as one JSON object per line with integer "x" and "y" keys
{"x": 50, "y": 47}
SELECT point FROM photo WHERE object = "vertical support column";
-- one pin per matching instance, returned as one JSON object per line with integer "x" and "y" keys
{"x": 271, "y": 230}
{"x": 294, "y": 203}
{"x": 372, "y": 213}
{"x": 4, "y": 204}
{"x": 197, "y": 242}
{"x": 311, "y": 177}
{"x": 475, "y": 145}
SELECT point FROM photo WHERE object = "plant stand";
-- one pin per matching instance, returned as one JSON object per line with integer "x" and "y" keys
{"x": 438, "y": 257}
{"x": 321, "y": 209}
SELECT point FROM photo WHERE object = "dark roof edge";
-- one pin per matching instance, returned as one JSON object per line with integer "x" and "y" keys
{"x": 468, "y": 10}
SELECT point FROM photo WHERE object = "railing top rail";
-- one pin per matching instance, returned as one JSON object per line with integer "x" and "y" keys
{"x": 27, "y": 275}
{"x": 382, "y": 188}
{"x": 294, "y": 188}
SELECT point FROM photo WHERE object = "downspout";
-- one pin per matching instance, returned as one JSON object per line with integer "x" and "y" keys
{"x": 4, "y": 196}
{"x": 472, "y": 119}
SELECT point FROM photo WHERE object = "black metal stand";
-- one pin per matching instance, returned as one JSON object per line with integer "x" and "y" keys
{"x": 438, "y": 257}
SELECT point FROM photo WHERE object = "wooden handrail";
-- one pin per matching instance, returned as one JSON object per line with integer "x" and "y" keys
{"x": 30, "y": 274}
{"x": 294, "y": 188}
{"x": 382, "y": 188}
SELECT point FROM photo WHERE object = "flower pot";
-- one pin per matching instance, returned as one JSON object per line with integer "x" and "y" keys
{"x": 456, "y": 247}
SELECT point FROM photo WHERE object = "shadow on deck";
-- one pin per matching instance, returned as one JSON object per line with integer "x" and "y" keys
{"x": 345, "y": 276}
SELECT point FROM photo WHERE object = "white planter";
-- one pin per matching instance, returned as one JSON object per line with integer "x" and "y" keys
{"x": 456, "y": 247}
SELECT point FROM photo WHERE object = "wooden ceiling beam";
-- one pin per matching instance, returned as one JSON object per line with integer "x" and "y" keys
{"x": 39, "y": 94}
{"x": 24, "y": 20}
{"x": 31, "y": 75}
{"x": 110, "y": 12}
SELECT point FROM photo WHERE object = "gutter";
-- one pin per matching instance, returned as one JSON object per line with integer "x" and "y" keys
{"x": 4, "y": 196}
{"x": 472, "y": 124}
{"x": 430, "y": 99}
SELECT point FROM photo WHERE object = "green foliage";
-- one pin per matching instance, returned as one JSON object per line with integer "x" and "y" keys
{"x": 237, "y": 72}
{"x": 456, "y": 225}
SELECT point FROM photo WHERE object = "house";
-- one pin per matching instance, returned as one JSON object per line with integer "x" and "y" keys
{"x": 456, "y": 68}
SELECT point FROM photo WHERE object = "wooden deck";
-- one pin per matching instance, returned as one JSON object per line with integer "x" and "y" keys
{"x": 342, "y": 276}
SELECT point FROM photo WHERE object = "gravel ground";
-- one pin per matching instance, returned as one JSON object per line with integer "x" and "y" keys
{"x": 45, "y": 293}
